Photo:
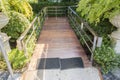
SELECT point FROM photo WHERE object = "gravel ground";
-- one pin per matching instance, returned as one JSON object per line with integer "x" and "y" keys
{"x": 110, "y": 76}
{"x": 4, "y": 75}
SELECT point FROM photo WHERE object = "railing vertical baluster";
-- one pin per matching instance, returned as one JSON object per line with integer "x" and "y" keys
{"x": 93, "y": 48}
{"x": 94, "y": 43}
{"x": 82, "y": 25}
{"x": 68, "y": 12}
{"x": 38, "y": 21}
{"x": 56, "y": 12}
{"x": 75, "y": 19}
{"x": 73, "y": 16}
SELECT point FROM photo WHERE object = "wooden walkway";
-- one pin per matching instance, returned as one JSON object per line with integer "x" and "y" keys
{"x": 57, "y": 39}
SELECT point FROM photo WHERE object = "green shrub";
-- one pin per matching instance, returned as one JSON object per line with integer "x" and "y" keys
{"x": 3, "y": 65}
{"x": 31, "y": 44}
{"x": 96, "y": 10}
{"x": 40, "y": 5}
{"x": 17, "y": 24}
{"x": 17, "y": 59}
{"x": 21, "y": 6}
{"x": 106, "y": 58}
{"x": 103, "y": 28}
{"x": 32, "y": 1}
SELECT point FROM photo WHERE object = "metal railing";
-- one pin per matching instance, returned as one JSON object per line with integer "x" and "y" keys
{"x": 57, "y": 11}
{"x": 87, "y": 35}
{"x": 34, "y": 29}
{"x": 37, "y": 23}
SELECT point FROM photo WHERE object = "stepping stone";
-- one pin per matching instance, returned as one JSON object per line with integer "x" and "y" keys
{"x": 48, "y": 63}
{"x": 41, "y": 63}
{"x": 70, "y": 63}
{"x": 52, "y": 63}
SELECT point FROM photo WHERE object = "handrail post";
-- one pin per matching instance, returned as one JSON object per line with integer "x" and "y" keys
{"x": 84, "y": 25}
{"x": 6, "y": 57}
{"x": 56, "y": 13}
{"x": 68, "y": 11}
{"x": 93, "y": 48}
{"x": 19, "y": 44}
{"x": 38, "y": 21}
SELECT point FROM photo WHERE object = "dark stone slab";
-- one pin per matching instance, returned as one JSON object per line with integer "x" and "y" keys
{"x": 41, "y": 63}
{"x": 52, "y": 63}
{"x": 71, "y": 63}
{"x": 48, "y": 63}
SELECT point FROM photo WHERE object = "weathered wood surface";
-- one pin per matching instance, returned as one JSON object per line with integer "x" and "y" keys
{"x": 57, "y": 39}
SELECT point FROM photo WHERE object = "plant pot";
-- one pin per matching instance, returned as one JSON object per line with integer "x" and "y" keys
{"x": 5, "y": 39}
{"x": 116, "y": 34}
{"x": 3, "y": 20}
{"x": 116, "y": 22}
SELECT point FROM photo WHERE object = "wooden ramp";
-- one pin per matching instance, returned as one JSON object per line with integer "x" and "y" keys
{"x": 58, "y": 40}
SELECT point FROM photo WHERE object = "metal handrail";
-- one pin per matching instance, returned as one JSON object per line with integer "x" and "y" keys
{"x": 72, "y": 15}
{"x": 21, "y": 44}
{"x": 56, "y": 10}
{"x": 80, "y": 26}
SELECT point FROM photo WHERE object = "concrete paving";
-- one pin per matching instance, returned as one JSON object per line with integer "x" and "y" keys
{"x": 69, "y": 74}
{"x": 80, "y": 74}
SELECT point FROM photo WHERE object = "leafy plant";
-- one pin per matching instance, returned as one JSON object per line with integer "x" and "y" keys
{"x": 99, "y": 12}
{"x": 37, "y": 7}
{"x": 3, "y": 65}
{"x": 32, "y": 1}
{"x": 95, "y": 10}
{"x": 21, "y": 6}
{"x": 17, "y": 59}
{"x": 106, "y": 58}
{"x": 103, "y": 28}
{"x": 17, "y": 24}
{"x": 31, "y": 45}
